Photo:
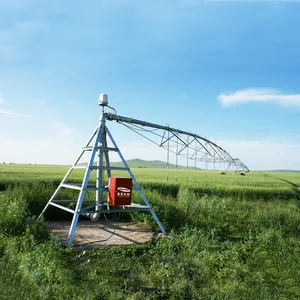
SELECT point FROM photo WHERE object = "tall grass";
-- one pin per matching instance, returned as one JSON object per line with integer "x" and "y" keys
{"x": 224, "y": 242}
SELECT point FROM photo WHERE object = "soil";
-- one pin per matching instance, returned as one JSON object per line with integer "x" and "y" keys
{"x": 102, "y": 233}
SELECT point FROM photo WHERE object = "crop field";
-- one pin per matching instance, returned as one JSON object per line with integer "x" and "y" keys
{"x": 229, "y": 237}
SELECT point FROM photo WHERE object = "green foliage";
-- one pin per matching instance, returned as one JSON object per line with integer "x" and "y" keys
{"x": 15, "y": 218}
{"x": 229, "y": 237}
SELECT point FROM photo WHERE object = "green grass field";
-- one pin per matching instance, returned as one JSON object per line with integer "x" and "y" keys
{"x": 230, "y": 237}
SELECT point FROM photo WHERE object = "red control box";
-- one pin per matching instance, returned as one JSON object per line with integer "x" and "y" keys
{"x": 120, "y": 191}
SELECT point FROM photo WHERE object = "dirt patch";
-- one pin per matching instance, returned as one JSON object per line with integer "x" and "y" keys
{"x": 90, "y": 234}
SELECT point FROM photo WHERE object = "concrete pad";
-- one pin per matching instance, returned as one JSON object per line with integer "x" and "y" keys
{"x": 102, "y": 233}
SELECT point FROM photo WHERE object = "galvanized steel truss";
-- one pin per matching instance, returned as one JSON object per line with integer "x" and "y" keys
{"x": 181, "y": 143}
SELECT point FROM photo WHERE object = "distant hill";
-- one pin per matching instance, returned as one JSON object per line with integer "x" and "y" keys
{"x": 140, "y": 163}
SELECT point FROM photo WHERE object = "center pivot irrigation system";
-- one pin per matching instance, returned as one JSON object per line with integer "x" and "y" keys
{"x": 182, "y": 143}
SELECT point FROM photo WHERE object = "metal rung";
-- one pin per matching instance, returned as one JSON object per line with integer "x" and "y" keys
{"x": 101, "y": 168}
{"x": 110, "y": 168}
{"x": 92, "y": 187}
{"x": 77, "y": 186}
{"x": 100, "y": 148}
{"x": 71, "y": 186}
{"x": 137, "y": 205}
{"x": 71, "y": 201}
{"x": 87, "y": 148}
{"x": 62, "y": 207}
{"x": 126, "y": 209}
{"x": 79, "y": 167}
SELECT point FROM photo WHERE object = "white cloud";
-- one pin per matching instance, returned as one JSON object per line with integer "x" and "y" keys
{"x": 259, "y": 95}
{"x": 15, "y": 114}
{"x": 1, "y": 100}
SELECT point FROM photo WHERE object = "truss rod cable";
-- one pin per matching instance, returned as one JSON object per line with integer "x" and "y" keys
{"x": 187, "y": 145}
{"x": 156, "y": 134}
{"x": 141, "y": 129}
{"x": 168, "y": 139}
{"x": 118, "y": 118}
{"x": 221, "y": 159}
{"x": 136, "y": 129}
{"x": 225, "y": 157}
{"x": 178, "y": 154}
{"x": 216, "y": 151}
{"x": 202, "y": 147}
{"x": 144, "y": 129}
{"x": 162, "y": 138}
{"x": 140, "y": 134}
{"x": 147, "y": 138}
{"x": 178, "y": 138}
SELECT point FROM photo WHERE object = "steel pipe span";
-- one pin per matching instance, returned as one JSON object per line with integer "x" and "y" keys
{"x": 189, "y": 145}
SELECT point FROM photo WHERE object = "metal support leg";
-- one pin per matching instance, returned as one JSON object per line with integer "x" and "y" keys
{"x": 84, "y": 186}
{"x": 99, "y": 181}
{"x": 187, "y": 160}
{"x": 168, "y": 155}
{"x": 106, "y": 156}
{"x": 177, "y": 159}
{"x": 136, "y": 184}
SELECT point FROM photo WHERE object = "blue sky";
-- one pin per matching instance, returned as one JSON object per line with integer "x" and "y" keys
{"x": 226, "y": 70}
